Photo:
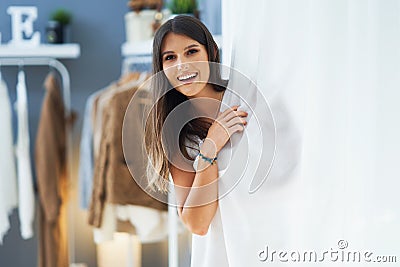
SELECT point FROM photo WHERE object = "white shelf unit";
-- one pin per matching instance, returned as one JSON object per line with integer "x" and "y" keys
{"x": 47, "y": 55}
{"x": 137, "y": 49}
{"x": 41, "y": 51}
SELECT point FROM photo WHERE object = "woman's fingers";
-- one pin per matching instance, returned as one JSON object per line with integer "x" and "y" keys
{"x": 235, "y": 114}
{"x": 226, "y": 124}
{"x": 234, "y": 125}
{"x": 227, "y": 111}
{"x": 236, "y": 128}
{"x": 231, "y": 117}
{"x": 231, "y": 112}
{"x": 236, "y": 120}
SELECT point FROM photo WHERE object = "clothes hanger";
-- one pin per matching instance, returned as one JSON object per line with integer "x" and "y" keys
{"x": 21, "y": 73}
{"x": 21, "y": 65}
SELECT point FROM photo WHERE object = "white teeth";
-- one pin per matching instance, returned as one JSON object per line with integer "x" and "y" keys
{"x": 187, "y": 76}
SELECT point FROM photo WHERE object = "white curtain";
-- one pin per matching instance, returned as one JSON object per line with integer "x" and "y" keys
{"x": 330, "y": 70}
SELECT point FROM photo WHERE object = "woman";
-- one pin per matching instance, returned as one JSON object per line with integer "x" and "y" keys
{"x": 188, "y": 127}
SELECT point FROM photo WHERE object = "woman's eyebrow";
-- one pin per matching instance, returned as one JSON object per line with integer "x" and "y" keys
{"x": 190, "y": 46}
{"x": 166, "y": 52}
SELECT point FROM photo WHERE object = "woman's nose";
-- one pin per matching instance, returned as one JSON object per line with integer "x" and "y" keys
{"x": 182, "y": 65}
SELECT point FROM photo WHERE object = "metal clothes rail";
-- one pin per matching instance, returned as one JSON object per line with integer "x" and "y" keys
{"x": 62, "y": 70}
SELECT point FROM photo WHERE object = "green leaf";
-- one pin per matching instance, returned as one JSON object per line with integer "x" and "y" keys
{"x": 61, "y": 15}
{"x": 183, "y": 6}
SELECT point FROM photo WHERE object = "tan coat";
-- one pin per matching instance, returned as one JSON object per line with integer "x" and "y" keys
{"x": 112, "y": 181}
{"x": 50, "y": 164}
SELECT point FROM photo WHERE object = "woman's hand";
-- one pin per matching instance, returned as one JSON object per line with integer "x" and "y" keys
{"x": 225, "y": 125}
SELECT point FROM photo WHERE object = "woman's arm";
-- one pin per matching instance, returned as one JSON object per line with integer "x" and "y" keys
{"x": 197, "y": 192}
{"x": 196, "y": 204}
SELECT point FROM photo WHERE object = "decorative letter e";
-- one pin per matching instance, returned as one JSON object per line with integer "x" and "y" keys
{"x": 19, "y": 27}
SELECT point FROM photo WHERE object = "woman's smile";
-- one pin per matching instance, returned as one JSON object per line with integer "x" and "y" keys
{"x": 188, "y": 77}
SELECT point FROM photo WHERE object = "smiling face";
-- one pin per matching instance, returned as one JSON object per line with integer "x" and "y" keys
{"x": 185, "y": 63}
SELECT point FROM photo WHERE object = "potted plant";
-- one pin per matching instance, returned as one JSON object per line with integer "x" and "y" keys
{"x": 143, "y": 19}
{"x": 188, "y": 7}
{"x": 57, "y": 26}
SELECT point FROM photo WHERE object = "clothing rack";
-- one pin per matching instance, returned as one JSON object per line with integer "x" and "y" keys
{"x": 51, "y": 62}
{"x": 22, "y": 61}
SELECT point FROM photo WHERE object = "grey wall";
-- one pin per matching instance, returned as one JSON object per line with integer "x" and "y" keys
{"x": 98, "y": 26}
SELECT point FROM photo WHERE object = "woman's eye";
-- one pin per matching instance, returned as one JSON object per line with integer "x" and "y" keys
{"x": 192, "y": 51}
{"x": 169, "y": 57}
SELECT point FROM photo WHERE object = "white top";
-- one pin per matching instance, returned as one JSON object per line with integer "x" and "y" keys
{"x": 236, "y": 233}
{"x": 208, "y": 250}
{"x": 8, "y": 176}
{"x": 25, "y": 184}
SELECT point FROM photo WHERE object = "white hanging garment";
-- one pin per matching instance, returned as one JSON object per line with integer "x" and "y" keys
{"x": 330, "y": 72}
{"x": 150, "y": 224}
{"x": 8, "y": 176}
{"x": 25, "y": 183}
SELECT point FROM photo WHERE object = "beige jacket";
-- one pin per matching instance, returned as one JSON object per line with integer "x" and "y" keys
{"x": 50, "y": 164}
{"x": 112, "y": 181}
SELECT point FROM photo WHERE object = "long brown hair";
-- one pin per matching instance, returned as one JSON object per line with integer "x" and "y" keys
{"x": 166, "y": 99}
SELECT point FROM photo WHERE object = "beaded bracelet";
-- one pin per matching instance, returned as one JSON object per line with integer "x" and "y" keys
{"x": 210, "y": 160}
